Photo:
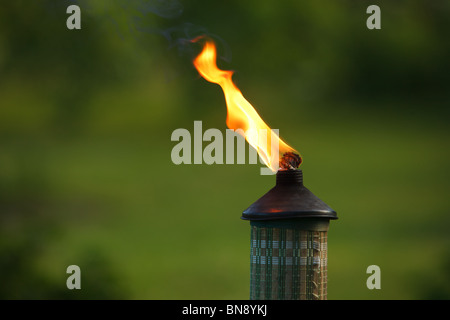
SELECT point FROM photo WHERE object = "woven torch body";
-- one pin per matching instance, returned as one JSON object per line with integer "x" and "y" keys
{"x": 288, "y": 264}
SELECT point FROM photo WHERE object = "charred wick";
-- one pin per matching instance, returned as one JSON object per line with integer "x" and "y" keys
{"x": 290, "y": 161}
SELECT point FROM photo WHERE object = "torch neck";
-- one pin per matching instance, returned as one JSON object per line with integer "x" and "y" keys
{"x": 289, "y": 178}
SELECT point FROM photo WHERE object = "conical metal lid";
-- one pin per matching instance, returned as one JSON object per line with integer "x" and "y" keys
{"x": 288, "y": 199}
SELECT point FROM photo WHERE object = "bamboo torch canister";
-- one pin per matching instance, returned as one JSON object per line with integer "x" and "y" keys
{"x": 288, "y": 246}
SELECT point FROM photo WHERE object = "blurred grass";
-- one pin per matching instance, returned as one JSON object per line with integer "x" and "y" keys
{"x": 86, "y": 176}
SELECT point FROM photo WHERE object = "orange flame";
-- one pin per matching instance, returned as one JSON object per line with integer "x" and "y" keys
{"x": 240, "y": 113}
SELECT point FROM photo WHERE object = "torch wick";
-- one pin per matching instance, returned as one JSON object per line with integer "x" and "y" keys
{"x": 290, "y": 161}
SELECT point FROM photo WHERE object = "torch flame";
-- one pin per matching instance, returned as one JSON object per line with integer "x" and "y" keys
{"x": 240, "y": 113}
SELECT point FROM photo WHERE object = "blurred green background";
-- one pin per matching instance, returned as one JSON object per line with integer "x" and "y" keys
{"x": 86, "y": 117}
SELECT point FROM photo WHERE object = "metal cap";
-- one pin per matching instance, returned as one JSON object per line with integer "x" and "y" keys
{"x": 288, "y": 199}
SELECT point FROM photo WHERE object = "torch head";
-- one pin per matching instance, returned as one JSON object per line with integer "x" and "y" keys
{"x": 289, "y": 199}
